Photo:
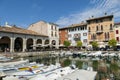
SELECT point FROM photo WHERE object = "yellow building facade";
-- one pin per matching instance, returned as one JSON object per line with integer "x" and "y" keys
{"x": 101, "y": 29}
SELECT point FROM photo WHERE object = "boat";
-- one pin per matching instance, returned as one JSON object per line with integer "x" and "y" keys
{"x": 4, "y": 58}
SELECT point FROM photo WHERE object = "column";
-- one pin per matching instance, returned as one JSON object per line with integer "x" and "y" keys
{"x": 57, "y": 44}
{"x": 24, "y": 45}
{"x": 34, "y": 44}
{"x": 12, "y": 44}
{"x": 43, "y": 42}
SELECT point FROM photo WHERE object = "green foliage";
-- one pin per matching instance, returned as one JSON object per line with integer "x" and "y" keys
{"x": 95, "y": 65}
{"x": 79, "y": 64}
{"x": 94, "y": 44}
{"x": 114, "y": 67}
{"x": 79, "y": 44}
{"x": 67, "y": 43}
{"x": 66, "y": 62}
{"x": 112, "y": 42}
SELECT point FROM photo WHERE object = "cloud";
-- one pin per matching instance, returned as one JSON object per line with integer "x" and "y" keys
{"x": 98, "y": 8}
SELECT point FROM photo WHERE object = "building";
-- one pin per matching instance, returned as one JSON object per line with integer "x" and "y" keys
{"x": 74, "y": 33}
{"x": 15, "y": 39}
{"x": 63, "y": 35}
{"x": 117, "y": 32}
{"x": 100, "y": 29}
{"x": 78, "y": 32}
{"x": 49, "y": 29}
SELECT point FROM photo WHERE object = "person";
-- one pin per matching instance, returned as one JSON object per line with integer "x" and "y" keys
{"x": 7, "y": 49}
{"x": 30, "y": 69}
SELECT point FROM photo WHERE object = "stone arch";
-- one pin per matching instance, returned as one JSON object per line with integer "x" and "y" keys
{"x": 29, "y": 43}
{"x": 46, "y": 41}
{"x": 39, "y": 41}
{"x": 18, "y": 44}
{"x": 39, "y": 44}
{"x": 4, "y": 43}
{"x": 53, "y": 42}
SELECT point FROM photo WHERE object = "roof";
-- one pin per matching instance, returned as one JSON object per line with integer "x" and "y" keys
{"x": 107, "y": 16}
{"x": 18, "y": 30}
{"x": 118, "y": 23}
{"x": 74, "y": 25}
{"x": 51, "y": 23}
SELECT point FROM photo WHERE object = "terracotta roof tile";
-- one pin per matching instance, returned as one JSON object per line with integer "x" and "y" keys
{"x": 73, "y": 25}
{"x": 96, "y": 18}
{"x": 19, "y": 30}
{"x": 117, "y": 23}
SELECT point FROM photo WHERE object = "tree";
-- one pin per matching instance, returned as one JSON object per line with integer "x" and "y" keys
{"x": 79, "y": 44}
{"x": 112, "y": 43}
{"x": 94, "y": 45}
{"x": 95, "y": 65}
{"x": 114, "y": 68}
{"x": 67, "y": 43}
{"x": 66, "y": 62}
{"x": 79, "y": 64}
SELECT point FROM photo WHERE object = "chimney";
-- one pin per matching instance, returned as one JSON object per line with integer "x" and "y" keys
{"x": 6, "y": 24}
{"x": 92, "y": 16}
{"x": 105, "y": 13}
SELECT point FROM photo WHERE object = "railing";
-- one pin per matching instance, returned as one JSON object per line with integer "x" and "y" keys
{"x": 99, "y": 31}
{"x": 111, "y": 29}
{"x": 107, "y": 39}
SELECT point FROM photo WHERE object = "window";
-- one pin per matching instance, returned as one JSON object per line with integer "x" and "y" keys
{"x": 93, "y": 36}
{"x": 55, "y": 34}
{"x": 51, "y": 33}
{"x": 110, "y": 19}
{"x": 69, "y": 30}
{"x": 75, "y": 29}
{"x": 108, "y": 35}
{"x": 101, "y": 20}
{"x": 111, "y": 28}
{"x": 55, "y": 28}
{"x": 117, "y": 38}
{"x": 52, "y": 27}
{"x": 85, "y": 40}
{"x": 89, "y": 29}
{"x": 117, "y": 32}
{"x": 85, "y": 27}
{"x": 101, "y": 27}
{"x": 72, "y": 29}
{"x": 77, "y": 37}
{"x": 105, "y": 35}
{"x": 96, "y": 28}
{"x": 96, "y": 21}
{"x": 84, "y": 34}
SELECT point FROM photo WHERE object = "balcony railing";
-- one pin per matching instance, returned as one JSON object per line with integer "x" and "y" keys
{"x": 99, "y": 31}
{"x": 111, "y": 29}
{"x": 93, "y": 40}
{"x": 107, "y": 39}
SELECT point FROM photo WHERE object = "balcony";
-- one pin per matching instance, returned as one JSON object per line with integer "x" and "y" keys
{"x": 93, "y": 40}
{"x": 106, "y": 40}
{"x": 89, "y": 32}
{"x": 99, "y": 31}
{"x": 111, "y": 29}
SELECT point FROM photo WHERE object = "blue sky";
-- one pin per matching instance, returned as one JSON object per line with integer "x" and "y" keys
{"x": 63, "y": 12}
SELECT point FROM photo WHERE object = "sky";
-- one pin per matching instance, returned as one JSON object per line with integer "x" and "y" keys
{"x": 22, "y": 13}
